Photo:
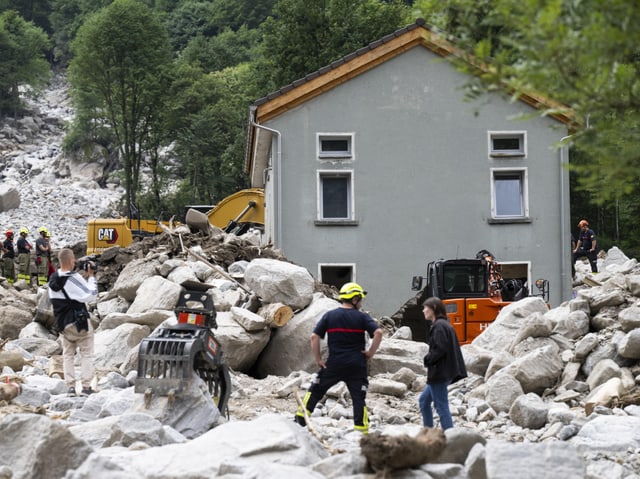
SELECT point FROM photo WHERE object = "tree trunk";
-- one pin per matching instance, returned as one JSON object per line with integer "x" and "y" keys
{"x": 277, "y": 314}
{"x": 11, "y": 359}
{"x": 8, "y": 391}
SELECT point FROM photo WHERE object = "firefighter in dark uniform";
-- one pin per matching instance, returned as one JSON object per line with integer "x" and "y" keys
{"x": 345, "y": 328}
{"x": 586, "y": 246}
{"x": 43, "y": 255}
{"x": 8, "y": 255}
{"x": 24, "y": 255}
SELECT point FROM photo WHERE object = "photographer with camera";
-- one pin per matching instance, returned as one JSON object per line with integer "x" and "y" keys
{"x": 69, "y": 291}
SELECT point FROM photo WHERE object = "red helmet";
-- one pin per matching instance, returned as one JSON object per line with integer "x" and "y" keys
{"x": 9, "y": 234}
{"x": 583, "y": 223}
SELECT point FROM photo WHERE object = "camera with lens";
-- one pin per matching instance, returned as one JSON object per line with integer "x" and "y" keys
{"x": 85, "y": 264}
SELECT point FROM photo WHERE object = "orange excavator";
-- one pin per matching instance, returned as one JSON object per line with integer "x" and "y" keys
{"x": 473, "y": 291}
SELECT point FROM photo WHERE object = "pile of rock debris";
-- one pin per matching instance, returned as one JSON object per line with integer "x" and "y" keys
{"x": 551, "y": 393}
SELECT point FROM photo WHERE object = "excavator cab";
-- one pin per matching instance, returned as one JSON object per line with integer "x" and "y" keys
{"x": 472, "y": 290}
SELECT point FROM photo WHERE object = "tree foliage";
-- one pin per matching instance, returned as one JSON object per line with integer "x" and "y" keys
{"x": 227, "y": 49}
{"x": 208, "y": 18}
{"x": 189, "y": 20}
{"x": 235, "y": 13}
{"x": 120, "y": 74}
{"x": 304, "y": 35}
{"x": 66, "y": 17}
{"x": 209, "y": 114}
{"x": 22, "y": 59}
{"x": 34, "y": 11}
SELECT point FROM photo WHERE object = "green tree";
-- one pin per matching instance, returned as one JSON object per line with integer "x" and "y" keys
{"x": 120, "y": 74}
{"x": 227, "y": 49}
{"x": 235, "y": 13}
{"x": 22, "y": 59}
{"x": 34, "y": 11}
{"x": 304, "y": 35}
{"x": 162, "y": 5}
{"x": 208, "y": 18}
{"x": 191, "y": 19}
{"x": 66, "y": 17}
{"x": 209, "y": 115}
{"x": 65, "y": 20}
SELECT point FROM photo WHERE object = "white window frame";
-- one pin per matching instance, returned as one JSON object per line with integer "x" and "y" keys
{"x": 335, "y": 155}
{"x": 321, "y": 174}
{"x": 519, "y": 153}
{"x": 352, "y": 266}
{"x": 508, "y": 265}
{"x": 497, "y": 173}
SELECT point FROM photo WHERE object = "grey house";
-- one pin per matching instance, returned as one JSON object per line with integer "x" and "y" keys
{"x": 376, "y": 164}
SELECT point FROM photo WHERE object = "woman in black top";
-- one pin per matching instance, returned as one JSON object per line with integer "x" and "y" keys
{"x": 444, "y": 362}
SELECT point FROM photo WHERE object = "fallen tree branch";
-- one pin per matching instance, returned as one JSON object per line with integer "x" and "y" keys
{"x": 277, "y": 314}
{"x": 169, "y": 230}
{"x": 213, "y": 266}
{"x": 385, "y": 453}
{"x": 307, "y": 419}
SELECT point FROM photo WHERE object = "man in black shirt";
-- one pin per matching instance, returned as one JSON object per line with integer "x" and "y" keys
{"x": 345, "y": 327}
{"x": 586, "y": 246}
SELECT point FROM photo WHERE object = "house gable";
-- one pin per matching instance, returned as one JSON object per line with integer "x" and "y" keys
{"x": 418, "y": 34}
{"x": 366, "y": 58}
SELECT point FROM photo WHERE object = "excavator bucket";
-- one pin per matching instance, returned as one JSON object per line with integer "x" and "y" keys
{"x": 167, "y": 361}
{"x": 197, "y": 221}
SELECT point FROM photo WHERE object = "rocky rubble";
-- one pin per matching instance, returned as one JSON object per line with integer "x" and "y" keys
{"x": 41, "y": 185}
{"x": 551, "y": 393}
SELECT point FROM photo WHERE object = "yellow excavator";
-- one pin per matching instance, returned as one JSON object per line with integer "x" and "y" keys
{"x": 236, "y": 213}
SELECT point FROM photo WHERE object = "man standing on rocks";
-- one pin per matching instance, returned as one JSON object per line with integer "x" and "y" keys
{"x": 24, "y": 255}
{"x": 8, "y": 257}
{"x": 69, "y": 291}
{"x": 586, "y": 246}
{"x": 345, "y": 327}
{"x": 444, "y": 363}
{"x": 43, "y": 255}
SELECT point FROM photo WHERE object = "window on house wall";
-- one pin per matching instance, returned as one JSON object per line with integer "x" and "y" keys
{"x": 509, "y": 193}
{"x": 520, "y": 270}
{"x": 335, "y": 145}
{"x": 507, "y": 144}
{"x": 336, "y": 274}
{"x": 335, "y": 195}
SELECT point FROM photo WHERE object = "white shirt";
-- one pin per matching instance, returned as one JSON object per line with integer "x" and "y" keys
{"x": 77, "y": 288}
